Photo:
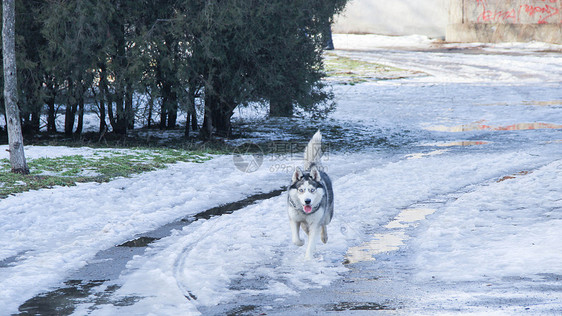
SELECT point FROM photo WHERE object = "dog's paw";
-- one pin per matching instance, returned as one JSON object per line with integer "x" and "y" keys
{"x": 308, "y": 256}
{"x": 298, "y": 242}
{"x": 324, "y": 235}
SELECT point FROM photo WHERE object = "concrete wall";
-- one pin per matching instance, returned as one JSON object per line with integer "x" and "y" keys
{"x": 394, "y": 17}
{"x": 505, "y": 21}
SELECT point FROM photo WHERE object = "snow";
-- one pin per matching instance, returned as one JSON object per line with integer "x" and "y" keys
{"x": 50, "y": 232}
{"x": 374, "y": 41}
{"x": 205, "y": 260}
{"x": 470, "y": 206}
{"x": 492, "y": 218}
{"x": 411, "y": 42}
{"x": 488, "y": 65}
{"x": 32, "y": 152}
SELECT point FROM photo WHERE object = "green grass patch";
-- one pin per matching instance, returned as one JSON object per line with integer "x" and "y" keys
{"x": 347, "y": 70}
{"x": 103, "y": 166}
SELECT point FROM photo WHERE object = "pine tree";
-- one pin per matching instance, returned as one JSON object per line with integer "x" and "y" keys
{"x": 257, "y": 51}
{"x": 229, "y": 53}
{"x": 70, "y": 54}
{"x": 162, "y": 54}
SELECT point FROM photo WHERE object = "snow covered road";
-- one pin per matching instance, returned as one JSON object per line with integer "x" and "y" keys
{"x": 458, "y": 210}
{"x": 459, "y": 63}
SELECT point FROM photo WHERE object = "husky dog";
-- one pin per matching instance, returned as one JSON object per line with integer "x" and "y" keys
{"x": 311, "y": 199}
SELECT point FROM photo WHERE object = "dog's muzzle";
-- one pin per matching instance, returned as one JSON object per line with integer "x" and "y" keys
{"x": 307, "y": 208}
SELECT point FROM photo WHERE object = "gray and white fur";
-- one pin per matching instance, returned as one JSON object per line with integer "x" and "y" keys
{"x": 310, "y": 198}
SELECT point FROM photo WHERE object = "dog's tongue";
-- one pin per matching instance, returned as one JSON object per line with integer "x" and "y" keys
{"x": 307, "y": 208}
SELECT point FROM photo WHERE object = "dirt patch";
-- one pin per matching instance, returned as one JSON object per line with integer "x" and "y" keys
{"x": 513, "y": 176}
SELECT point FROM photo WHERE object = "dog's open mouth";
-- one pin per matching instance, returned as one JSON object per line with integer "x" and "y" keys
{"x": 307, "y": 209}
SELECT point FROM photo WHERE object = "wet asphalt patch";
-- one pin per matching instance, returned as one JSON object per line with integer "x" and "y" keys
{"x": 60, "y": 301}
{"x": 358, "y": 306}
{"x": 251, "y": 310}
{"x": 139, "y": 242}
{"x": 9, "y": 261}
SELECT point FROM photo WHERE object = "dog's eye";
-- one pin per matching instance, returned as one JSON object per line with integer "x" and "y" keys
{"x": 301, "y": 190}
{"x": 312, "y": 190}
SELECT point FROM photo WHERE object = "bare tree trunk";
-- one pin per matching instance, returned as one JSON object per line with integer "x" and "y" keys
{"x": 194, "y": 120}
{"x": 36, "y": 121}
{"x": 217, "y": 116}
{"x": 70, "y": 117}
{"x": 13, "y": 123}
{"x": 101, "y": 107}
{"x": 172, "y": 110}
{"x": 51, "y": 109}
{"x": 129, "y": 107}
{"x": 191, "y": 111}
{"x": 122, "y": 116}
{"x": 186, "y": 131}
{"x": 107, "y": 96}
{"x": 166, "y": 107}
{"x": 163, "y": 114}
{"x": 80, "y": 125}
{"x": 51, "y": 119}
{"x": 150, "y": 108}
{"x": 280, "y": 105}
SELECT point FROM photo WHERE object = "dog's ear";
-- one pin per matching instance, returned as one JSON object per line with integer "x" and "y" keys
{"x": 297, "y": 175}
{"x": 315, "y": 174}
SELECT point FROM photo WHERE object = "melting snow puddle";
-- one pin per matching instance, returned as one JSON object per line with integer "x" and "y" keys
{"x": 422, "y": 155}
{"x": 463, "y": 143}
{"x": 479, "y": 126}
{"x": 407, "y": 218}
{"x": 554, "y": 103}
{"x": 515, "y": 175}
{"x": 544, "y": 103}
{"x": 390, "y": 241}
{"x": 458, "y": 143}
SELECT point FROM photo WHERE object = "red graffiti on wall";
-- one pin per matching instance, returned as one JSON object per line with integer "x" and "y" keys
{"x": 538, "y": 10}
{"x": 543, "y": 12}
{"x": 498, "y": 16}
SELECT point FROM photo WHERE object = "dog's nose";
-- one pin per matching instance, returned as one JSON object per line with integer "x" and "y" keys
{"x": 307, "y": 201}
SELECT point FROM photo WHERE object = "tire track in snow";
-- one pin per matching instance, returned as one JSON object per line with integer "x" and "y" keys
{"x": 278, "y": 252}
{"x": 108, "y": 264}
{"x": 359, "y": 290}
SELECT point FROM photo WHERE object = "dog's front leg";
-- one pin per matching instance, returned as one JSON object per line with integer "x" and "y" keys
{"x": 312, "y": 237}
{"x": 295, "y": 233}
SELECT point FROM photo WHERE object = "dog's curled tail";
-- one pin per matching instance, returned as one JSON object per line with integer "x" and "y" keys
{"x": 313, "y": 151}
